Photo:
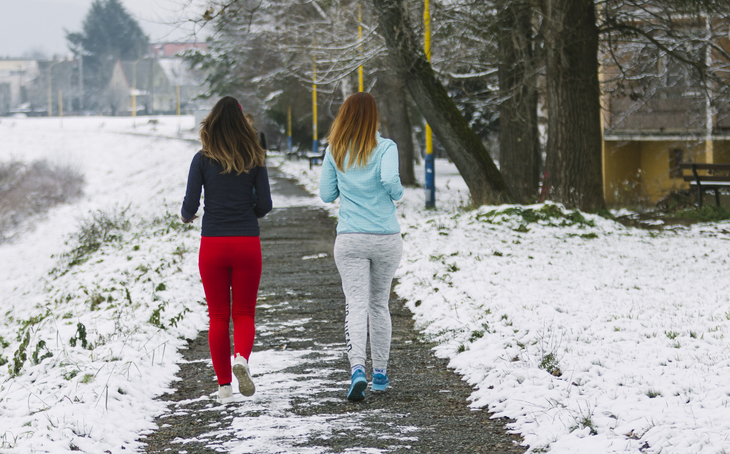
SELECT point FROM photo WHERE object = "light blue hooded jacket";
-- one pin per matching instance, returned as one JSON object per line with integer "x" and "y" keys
{"x": 366, "y": 193}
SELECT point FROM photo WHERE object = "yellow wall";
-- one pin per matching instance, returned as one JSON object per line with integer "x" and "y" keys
{"x": 721, "y": 149}
{"x": 637, "y": 171}
{"x": 622, "y": 161}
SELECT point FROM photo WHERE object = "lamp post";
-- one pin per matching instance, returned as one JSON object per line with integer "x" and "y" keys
{"x": 288, "y": 128}
{"x": 315, "y": 143}
{"x": 50, "y": 92}
{"x": 60, "y": 105}
{"x": 359, "y": 38}
{"x": 429, "y": 161}
{"x": 179, "y": 125}
{"x": 134, "y": 93}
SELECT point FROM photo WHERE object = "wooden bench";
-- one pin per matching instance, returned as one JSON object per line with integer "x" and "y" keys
{"x": 713, "y": 178}
{"x": 316, "y": 158}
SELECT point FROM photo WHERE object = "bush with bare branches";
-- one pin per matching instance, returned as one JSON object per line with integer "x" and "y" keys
{"x": 30, "y": 189}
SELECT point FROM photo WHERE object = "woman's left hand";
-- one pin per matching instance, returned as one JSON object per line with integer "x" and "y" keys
{"x": 188, "y": 221}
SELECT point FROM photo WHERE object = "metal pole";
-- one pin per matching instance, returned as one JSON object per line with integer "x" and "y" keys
{"x": 134, "y": 94}
{"x": 50, "y": 93}
{"x": 359, "y": 38}
{"x": 288, "y": 127}
{"x": 81, "y": 80}
{"x": 178, "y": 109}
{"x": 315, "y": 144}
{"x": 60, "y": 104}
{"x": 429, "y": 161}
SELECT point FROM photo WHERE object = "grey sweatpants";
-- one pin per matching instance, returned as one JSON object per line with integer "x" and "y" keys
{"x": 367, "y": 264}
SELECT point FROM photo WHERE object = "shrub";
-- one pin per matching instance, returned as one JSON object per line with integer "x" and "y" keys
{"x": 708, "y": 213}
{"x": 30, "y": 189}
{"x": 94, "y": 231}
{"x": 550, "y": 214}
{"x": 550, "y": 364}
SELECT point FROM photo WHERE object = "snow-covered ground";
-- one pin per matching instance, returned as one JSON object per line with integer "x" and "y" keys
{"x": 114, "y": 319}
{"x": 631, "y": 323}
{"x": 96, "y": 395}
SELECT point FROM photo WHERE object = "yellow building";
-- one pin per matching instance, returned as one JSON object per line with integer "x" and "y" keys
{"x": 644, "y": 168}
{"x": 656, "y": 112}
{"x": 645, "y": 141}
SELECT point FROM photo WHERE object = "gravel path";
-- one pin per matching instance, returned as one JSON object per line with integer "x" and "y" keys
{"x": 301, "y": 371}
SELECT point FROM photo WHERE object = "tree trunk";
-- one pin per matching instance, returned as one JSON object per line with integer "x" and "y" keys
{"x": 574, "y": 168}
{"x": 519, "y": 146}
{"x": 397, "y": 123}
{"x": 452, "y": 130}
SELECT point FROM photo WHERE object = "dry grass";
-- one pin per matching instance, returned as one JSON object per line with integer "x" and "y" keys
{"x": 28, "y": 190}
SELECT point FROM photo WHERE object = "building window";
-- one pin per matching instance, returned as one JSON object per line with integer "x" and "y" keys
{"x": 676, "y": 157}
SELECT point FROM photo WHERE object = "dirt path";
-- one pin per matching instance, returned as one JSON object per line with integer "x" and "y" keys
{"x": 301, "y": 371}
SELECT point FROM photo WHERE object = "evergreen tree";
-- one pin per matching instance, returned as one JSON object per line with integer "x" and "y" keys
{"x": 108, "y": 33}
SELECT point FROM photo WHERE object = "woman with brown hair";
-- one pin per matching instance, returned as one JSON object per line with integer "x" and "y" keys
{"x": 231, "y": 168}
{"x": 361, "y": 168}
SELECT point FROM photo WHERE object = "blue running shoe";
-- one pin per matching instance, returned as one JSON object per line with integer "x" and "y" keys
{"x": 358, "y": 386}
{"x": 380, "y": 382}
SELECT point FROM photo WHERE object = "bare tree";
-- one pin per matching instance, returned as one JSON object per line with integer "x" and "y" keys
{"x": 449, "y": 125}
{"x": 396, "y": 122}
{"x": 520, "y": 157}
{"x": 269, "y": 51}
{"x": 574, "y": 161}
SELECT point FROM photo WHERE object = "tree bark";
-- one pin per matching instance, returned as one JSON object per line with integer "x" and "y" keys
{"x": 397, "y": 123}
{"x": 452, "y": 130}
{"x": 519, "y": 146}
{"x": 573, "y": 164}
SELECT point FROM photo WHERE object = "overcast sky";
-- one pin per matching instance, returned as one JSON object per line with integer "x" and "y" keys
{"x": 38, "y": 25}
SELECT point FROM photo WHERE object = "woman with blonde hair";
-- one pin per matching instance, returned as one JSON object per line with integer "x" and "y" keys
{"x": 231, "y": 169}
{"x": 361, "y": 168}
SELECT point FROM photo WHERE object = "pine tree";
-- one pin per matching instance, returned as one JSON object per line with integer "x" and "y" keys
{"x": 108, "y": 33}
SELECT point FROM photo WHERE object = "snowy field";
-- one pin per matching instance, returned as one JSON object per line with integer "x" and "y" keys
{"x": 593, "y": 337}
{"x": 115, "y": 318}
{"x": 127, "y": 305}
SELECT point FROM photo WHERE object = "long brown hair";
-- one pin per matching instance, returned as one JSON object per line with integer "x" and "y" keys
{"x": 355, "y": 128}
{"x": 229, "y": 139}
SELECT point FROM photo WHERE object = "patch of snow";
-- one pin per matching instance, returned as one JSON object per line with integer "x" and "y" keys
{"x": 632, "y": 323}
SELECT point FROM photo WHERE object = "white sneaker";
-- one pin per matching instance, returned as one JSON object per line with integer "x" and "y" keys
{"x": 225, "y": 394}
{"x": 243, "y": 374}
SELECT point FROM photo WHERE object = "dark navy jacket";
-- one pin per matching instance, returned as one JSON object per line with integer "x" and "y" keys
{"x": 232, "y": 202}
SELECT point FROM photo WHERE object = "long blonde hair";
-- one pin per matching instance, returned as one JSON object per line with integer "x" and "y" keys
{"x": 229, "y": 139}
{"x": 355, "y": 128}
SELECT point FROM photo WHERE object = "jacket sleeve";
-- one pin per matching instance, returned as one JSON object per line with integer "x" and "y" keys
{"x": 263, "y": 203}
{"x": 328, "y": 190}
{"x": 191, "y": 202}
{"x": 389, "y": 175}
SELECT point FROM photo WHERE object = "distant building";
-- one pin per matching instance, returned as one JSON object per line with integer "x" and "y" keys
{"x": 64, "y": 78}
{"x": 647, "y": 136}
{"x": 24, "y": 86}
{"x": 16, "y": 81}
{"x": 155, "y": 83}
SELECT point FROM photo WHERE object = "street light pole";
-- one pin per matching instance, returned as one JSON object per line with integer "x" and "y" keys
{"x": 134, "y": 93}
{"x": 288, "y": 128}
{"x": 315, "y": 143}
{"x": 50, "y": 91}
{"x": 81, "y": 80}
{"x": 179, "y": 125}
{"x": 359, "y": 38}
{"x": 429, "y": 161}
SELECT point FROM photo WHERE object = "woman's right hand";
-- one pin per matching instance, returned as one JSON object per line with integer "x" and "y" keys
{"x": 188, "y": 221}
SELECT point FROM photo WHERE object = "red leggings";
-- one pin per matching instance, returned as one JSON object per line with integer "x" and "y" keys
{"x": 230, "y": 268}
